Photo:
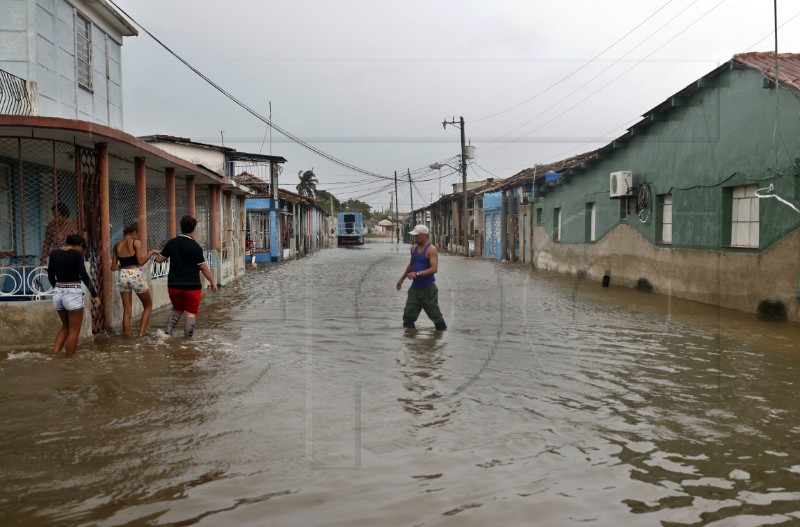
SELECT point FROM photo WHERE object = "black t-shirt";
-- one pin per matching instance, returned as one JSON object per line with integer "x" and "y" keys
{"x": 185, "y": 258}
{"x": 68, "y": 267}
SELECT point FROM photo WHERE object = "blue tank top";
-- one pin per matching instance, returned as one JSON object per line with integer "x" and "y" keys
{"x": 420, "y": 262}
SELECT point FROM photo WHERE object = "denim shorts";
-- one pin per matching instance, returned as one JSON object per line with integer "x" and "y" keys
{"x": 68, "y": 297}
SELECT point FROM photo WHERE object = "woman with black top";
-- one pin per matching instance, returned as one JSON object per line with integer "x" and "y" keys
{"x": 131, "y": 277}
{"x": 66, "y": 270}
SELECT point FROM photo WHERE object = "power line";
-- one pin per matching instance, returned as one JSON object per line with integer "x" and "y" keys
{"x": 623, "y": 37}
{"x": 772, "y": 32}
{"x": 241, "y": 104}
{"x": 604, "y": 85}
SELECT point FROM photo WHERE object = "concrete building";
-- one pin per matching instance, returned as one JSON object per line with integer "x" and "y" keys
{"x": 67, "y": 56}
{"x": 61, "y": 148}
{"x": 698, "y": 199}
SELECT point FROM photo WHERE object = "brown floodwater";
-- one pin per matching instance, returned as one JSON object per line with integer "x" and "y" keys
{"x": 301, "y": 401}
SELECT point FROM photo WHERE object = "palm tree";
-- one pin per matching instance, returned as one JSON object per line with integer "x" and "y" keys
{"x": 308, "y": 183}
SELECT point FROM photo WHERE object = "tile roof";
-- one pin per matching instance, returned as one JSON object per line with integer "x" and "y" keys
{"x": 788, "y": 65}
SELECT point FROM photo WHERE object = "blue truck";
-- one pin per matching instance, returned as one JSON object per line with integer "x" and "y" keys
{"x": 349, "y": 229}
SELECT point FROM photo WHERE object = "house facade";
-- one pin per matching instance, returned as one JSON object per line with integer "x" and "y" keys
{"x": 686, "y": 214}
{"x": 697, "y": 200}
{"x": 62, "y": 150}
{"x": 67, "y": 54}
{"x": 284, "y": 228}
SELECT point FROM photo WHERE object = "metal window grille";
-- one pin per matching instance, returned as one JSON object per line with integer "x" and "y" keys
{"x": 157, "y": 210}
{"x": 83, "y": 49}
{"x": 122, "y": 194}
{"x": 17, "y": 95}
{"x": 202, "y": 210}
{"x": 181, "y": 202}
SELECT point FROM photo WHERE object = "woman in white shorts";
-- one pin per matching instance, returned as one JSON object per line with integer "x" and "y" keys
{"x": 129, "y": 256}
{"x": 66, "y": 270}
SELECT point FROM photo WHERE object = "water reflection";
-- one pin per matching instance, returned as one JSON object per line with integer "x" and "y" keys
{"x": 301, "y": 400}
{"x": 421, "y": 364}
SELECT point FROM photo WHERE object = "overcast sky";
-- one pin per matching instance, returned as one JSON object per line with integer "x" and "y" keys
{"x": 370, "y": 81}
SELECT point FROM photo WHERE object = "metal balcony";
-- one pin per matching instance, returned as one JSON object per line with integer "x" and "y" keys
{"x": 18, "y": 96}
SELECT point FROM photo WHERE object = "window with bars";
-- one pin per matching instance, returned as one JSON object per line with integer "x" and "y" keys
{"x": 591, "y": 222}
{"x": 83, "y": 50}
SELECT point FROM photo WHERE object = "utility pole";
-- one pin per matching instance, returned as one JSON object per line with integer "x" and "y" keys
{"x": 396, "y": 211}
{"x": 411, "y": 195}
{"x": 464, "y": 213}
{"x": 391, "y": 206}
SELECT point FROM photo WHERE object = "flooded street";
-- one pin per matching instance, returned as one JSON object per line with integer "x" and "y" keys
{"x": 302, "y": 401}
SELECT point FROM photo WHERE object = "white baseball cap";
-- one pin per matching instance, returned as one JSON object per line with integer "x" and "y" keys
{"x": 419, "y": 229}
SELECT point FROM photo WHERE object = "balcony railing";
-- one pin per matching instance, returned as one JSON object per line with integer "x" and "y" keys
{"x": 18, "y": 96}
{"x": 24, "y": 282}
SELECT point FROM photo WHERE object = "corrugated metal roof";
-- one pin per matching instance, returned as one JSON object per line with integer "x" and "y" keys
{"x": 788, "y": 65}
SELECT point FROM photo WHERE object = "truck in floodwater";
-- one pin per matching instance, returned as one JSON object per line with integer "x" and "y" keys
{"x": 349, "y": 229}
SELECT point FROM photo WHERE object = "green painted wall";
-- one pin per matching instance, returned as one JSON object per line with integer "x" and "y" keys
{"x": 720, "y": 138}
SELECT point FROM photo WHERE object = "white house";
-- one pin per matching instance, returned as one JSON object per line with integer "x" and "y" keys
{"x": 68, "y": 52}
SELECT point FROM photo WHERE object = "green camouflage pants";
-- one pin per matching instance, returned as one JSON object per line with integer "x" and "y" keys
{"x": 423, "y": 298}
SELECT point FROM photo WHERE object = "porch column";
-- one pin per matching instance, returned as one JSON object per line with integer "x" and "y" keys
{"x": 503, "y": 227}
{"x": 213, "y": 196}
{"x": 512, "y": 232}
{"x": 79, "y": 186}
{"x": 105, "y": 231}
{"x": 240, "y": 203}
{"x": 190, "y": 193}
{"x": 141, "y": 187}
{"x": 170, "y": 174}
{"x": 226, "y": 218}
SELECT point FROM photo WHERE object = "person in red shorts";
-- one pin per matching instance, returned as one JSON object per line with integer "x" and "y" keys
{"x": 186, "y": 262}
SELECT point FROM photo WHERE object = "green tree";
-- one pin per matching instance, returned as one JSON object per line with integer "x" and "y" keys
{"x": 323, "y": 198}
{"x": 308, "y": 183}
{"x": 354, "y": 205}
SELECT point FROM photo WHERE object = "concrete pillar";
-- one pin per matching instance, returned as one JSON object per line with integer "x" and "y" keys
{"x": 512, "y": 232}
{"x": 240, "y": 202}
{"x": 190, "y": 195}
{"x": 105, "y": 231}
{"x": 213, "y": 195}
{"x": 503, "y": 227}
{"x": 170, "y": 173}
{"x": 141, "y": 187}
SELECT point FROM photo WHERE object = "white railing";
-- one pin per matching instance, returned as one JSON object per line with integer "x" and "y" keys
{"x": 158, "y": 270}
{"x": 25, "y": 281}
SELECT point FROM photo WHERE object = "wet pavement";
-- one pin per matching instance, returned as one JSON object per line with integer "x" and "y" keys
{"x": 301, "y": 401}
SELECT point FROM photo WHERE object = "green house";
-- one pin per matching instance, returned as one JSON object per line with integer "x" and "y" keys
{"x": 699, "y": 198}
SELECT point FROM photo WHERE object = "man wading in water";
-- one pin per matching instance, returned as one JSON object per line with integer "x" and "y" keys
{"x": 423, "y": 294}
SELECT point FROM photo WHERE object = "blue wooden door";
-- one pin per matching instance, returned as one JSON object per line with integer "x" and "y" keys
{"x": 491, "y": 235}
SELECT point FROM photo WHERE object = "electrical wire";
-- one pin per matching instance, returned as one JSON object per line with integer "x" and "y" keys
{"x": 772, "y": 32}
{"x": 485, "y": 153}
{"x": 623, "y": 37}
{"x": 248, "y": 109}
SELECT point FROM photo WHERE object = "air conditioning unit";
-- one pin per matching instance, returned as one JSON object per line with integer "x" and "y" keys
{"x": 621, "y": 184}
